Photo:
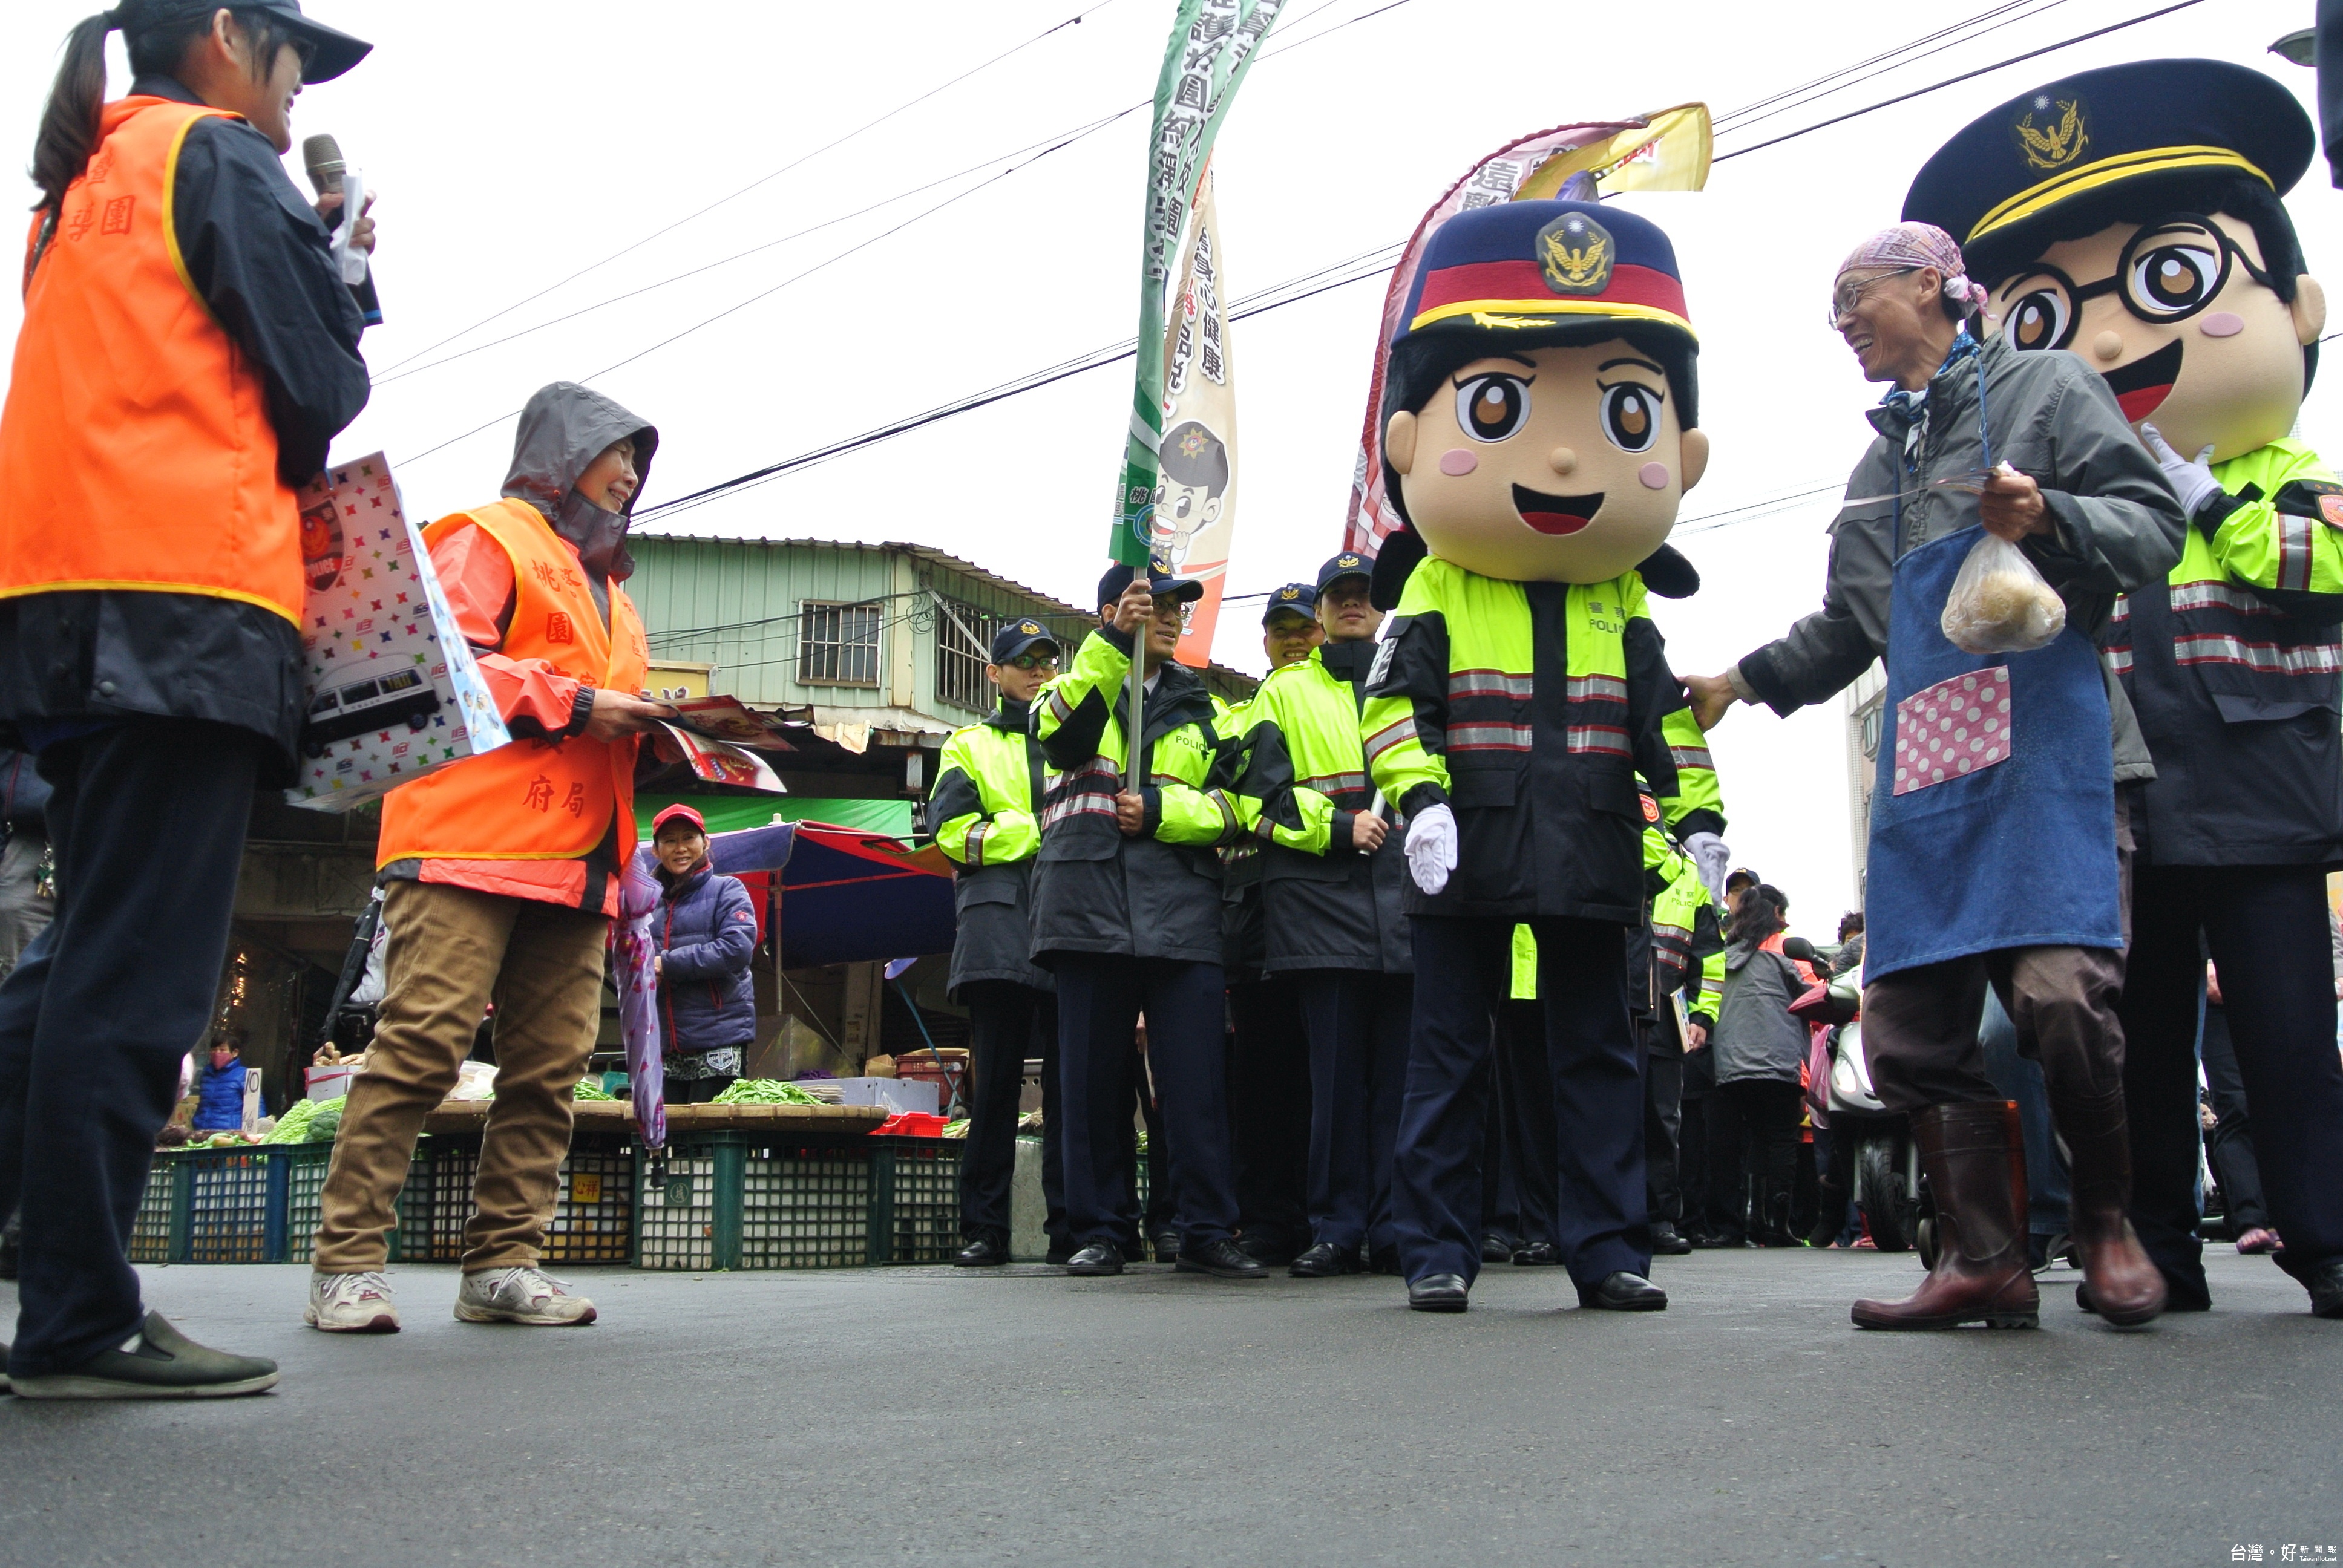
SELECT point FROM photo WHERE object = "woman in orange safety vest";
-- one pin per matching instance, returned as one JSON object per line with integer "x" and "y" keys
{"x": 188, "y": 349}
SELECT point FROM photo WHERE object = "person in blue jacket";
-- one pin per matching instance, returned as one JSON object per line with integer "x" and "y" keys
{"x": 705, "y": 931}
{"x": 219, "y": 1104}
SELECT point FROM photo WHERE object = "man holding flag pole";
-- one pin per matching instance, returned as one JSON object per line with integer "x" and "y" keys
{"x": 1126, "y": 902}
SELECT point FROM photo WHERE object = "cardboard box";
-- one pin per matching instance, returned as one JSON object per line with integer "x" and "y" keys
{"x": 392, "y": 691}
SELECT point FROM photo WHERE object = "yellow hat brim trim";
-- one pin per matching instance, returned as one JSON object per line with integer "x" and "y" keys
{"x": 1525, "y": 313}
{"x": 2091, "y": 177}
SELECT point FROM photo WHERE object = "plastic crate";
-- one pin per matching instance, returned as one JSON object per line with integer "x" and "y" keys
{"x": 594, "y": 1207}
{"x": 150, "y": 1231}
{"x": 742, "y": 1200}
{"x": 915, "y": 1199}
{"x": 304, "y": 1185}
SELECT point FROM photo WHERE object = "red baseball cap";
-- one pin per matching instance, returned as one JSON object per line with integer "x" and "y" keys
{"x": 678, "y": 813}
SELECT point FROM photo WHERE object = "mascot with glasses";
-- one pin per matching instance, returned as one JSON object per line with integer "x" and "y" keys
{"x": 2134, "y": 215}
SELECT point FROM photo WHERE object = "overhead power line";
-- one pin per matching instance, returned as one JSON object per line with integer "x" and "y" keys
{"x": 762, "y": 179}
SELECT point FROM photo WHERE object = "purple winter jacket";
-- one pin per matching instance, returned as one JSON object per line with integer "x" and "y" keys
{"x": 705, "y": 930}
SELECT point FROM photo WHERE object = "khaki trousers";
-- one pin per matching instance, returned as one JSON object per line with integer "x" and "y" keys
{"x": 451, "y": 951}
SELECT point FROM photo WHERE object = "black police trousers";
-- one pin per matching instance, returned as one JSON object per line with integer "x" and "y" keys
{"x": 1100, "y": 999}
{"x": 1462, "y": 972}
{"x": 2266, "y": 928}
{"x": 1269, "y": 1094}
{"x": 1358, "y": 1025}
{"x": 148, "y": 823}
{"x": 1005, "y": 1020}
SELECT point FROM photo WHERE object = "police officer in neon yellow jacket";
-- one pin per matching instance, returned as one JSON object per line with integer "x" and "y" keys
{"x": 2171, "y": 259}
{"x": 1127, "y": 915}
{"x": 1540, "y": 430}
{"x": 1331, "y": 889}
{"x": 986, "y": 807}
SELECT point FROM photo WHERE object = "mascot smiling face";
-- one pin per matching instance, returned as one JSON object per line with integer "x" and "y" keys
{"x": 1539, "y": 409}
{"x": 2146, "y": 236}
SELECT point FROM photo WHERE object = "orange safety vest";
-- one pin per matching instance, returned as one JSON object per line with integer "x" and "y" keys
{"x": 136, "y": 440}
{"x": 533, "y": 800}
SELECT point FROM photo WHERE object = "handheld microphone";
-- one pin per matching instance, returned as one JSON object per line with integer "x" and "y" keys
{"x": 329, "y": 173}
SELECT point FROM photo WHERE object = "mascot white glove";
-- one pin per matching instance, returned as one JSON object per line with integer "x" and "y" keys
{"x": 1713, "y": 858}
{"x": 1431, "y": 846}
{"x": 2191, "y": 480}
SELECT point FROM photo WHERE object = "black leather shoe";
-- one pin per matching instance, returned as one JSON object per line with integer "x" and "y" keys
{"x": 1223, "y": 1260}
{"x": 1060, "y": 1253}
{"x": 1167, "y": 1246}
{"x": 1097, "y": 1258}
{"x": 1623, "y": 1293}
{"x": 1383, "y": 1260}
{"x": 1324, "y": 1262}
{"x": 1668, "y": 1242}
{"x": 2326, "y": 1287}
{"x": 984, "y": 1252}
{"x": 1537, "y": 1255}
{"x": 1438, "y": 1293}
{"x": 1270, "y": 1249}
{"x": 1496, "y": 1249}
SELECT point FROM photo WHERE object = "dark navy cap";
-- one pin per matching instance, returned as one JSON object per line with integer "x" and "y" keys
{"x": 1349, "y": 564}
{"x": 330, "y": 53}
{"x": 1299, "y": 597}
{"x": 1545, "y": 264}
{"x": 2083, "y": 132}
{"x": 1017, "y": 637}
{"x": 1161, "y": 580}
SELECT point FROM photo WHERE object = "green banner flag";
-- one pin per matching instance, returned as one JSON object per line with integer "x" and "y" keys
{"x": 1213, "y": 43}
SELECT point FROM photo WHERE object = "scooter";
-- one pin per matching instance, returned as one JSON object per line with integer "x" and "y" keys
{"x": 1889, "y": 1185}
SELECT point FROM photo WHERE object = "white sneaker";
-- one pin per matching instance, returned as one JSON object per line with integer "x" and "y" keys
{"x": 521, "y": 1295}
{"x": 356, "y": 1303}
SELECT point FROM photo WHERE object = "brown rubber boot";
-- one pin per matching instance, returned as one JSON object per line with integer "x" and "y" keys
{"x": 2125, "y": 1287}
{"x": 1973, "y": 1157}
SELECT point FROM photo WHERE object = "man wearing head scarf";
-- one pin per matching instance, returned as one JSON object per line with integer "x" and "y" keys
{"x": 1998, "y": 768}
{"x": 501, "y": 871}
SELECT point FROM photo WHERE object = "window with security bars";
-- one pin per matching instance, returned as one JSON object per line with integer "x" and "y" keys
{"x": 837, "y": 644}
{"x": 959, "y": 663}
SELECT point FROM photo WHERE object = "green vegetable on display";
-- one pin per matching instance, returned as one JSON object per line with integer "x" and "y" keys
{"x": 764, "y": 1092}
{"x": 591, "y": 1089}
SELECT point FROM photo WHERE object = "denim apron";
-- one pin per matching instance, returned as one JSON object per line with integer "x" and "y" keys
{"x": 1993, "y": 814}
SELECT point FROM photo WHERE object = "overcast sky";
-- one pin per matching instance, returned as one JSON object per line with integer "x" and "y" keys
{"x": 514, "y": 144}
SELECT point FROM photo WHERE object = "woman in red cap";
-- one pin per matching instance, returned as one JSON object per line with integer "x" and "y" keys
{"x": 705, "y": 933}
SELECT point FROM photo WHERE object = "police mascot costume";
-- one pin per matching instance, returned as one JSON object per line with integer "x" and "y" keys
{"x": 1539, "y": 433}
{"x": 2133, "y": 216}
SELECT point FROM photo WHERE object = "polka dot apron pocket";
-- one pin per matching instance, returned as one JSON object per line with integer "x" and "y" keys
{"x": 1952, "y": 728}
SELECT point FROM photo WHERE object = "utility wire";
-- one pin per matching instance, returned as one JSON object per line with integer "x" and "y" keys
{"x": 762, "y": 179}
{"x": 1103, "y": 356}
{"x": 1902, "y": 56}
{"x": 1964, "y": 76}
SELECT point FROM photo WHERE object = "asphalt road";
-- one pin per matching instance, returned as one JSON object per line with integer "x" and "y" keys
{"x": 930, "y": 1414}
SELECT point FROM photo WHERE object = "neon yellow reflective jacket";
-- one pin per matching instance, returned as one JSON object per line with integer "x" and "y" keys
{"x": 1077, "y": 718}
{"x": 990, "y": 782}
{"x": 1528, "y": 709}
{"x": 2234, "y": 667}
{"x": 1305, "y": 765}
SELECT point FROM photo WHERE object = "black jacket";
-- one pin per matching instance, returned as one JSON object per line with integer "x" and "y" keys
{"x": 1097, "y": 892}
{"x": 1342, "y": 909}
{"x": 24, "y": 795}
{"x": 994, "y": 902}
{"x": 260, "y": 258}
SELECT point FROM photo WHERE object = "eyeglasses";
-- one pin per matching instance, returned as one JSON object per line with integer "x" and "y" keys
{"x": 1035, "y": 661}
{"x": 1847, "y": 295}
{"x": 2168, "y": 271}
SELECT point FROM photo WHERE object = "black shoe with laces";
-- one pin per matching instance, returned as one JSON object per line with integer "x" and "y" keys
{"x": 1537, "y": 1255}
{"x": 1098, "y": 1258}
{"x": 984, "y": 1252}
{"x": 1167, "y": 1246}
{"x": 1667, "y": 1241}
{"x": 1223, "y": 1260}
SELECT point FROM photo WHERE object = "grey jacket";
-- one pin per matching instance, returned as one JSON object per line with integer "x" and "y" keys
{"x": 1756, "y": 1035}
{"x": 2115, "y": 523}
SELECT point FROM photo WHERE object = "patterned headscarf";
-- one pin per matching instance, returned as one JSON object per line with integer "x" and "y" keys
{"x": 1916, "y": 245}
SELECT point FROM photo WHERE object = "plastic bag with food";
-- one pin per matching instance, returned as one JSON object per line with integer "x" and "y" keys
{"x": 1999, "y": 603}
